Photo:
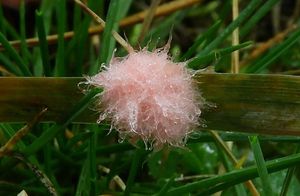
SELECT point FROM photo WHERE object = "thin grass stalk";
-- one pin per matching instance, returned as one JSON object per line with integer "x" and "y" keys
{"x": 135, "y": 166}
{"x": 13, "y": 53}
{"x": 236, "y": 176}
{"x": 288, "y": 178}
{"x": 200, "y": 40}
{"x": 43, "y": 43}
{"x": 9, "y": 66}
{"x": 148, "y": 19}
{"x": 99, "y": 20}
{"x": 60, "y": 66}
{"x": 261, "y": 12}
{"x": 261, "y": 165}
{"x": 24, "y": 49}
{"x": 262, "y": 63}
{"x": 93, "y": 163}
{"x": 235, "y": 39}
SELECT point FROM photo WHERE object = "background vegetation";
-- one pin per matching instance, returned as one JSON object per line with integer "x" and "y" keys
{"x": 62, "y": 158}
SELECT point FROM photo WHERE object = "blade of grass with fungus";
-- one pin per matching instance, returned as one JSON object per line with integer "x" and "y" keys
{"x": 261, "y": 104}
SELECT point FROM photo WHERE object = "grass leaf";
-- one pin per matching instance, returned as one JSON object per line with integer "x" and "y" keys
{"x": 215, "y": 55}
{"x": 261, "y": 165}
{"x": 43, "y": 43}
{"x": 230, "y": 28}
{"x": 224, "y": 181}
{"x": 60, "y": 66}
{"x": 241, "y": 102}
{"x": 262, "y": 63}
{"x": 13, "y": 53}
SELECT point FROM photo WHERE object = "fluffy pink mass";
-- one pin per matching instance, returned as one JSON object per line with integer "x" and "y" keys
{"x": 147, "y": 96}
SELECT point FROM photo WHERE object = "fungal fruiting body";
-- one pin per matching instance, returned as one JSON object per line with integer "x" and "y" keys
{"x": 147, "y": 96}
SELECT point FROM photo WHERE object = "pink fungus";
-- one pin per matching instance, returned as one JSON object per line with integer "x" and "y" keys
{"x": 147, "y": 96}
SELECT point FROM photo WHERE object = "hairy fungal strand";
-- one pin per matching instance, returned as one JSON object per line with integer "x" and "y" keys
{"x": 147, "y": 96}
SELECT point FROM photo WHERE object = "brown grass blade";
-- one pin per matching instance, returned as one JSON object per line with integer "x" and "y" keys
{"x": 260, "y": 104}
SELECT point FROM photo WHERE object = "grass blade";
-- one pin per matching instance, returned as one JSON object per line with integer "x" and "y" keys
{"x": 262, "y": 63}
{"x": 83, "y": 187}
{"x": 80, "y": 39}
{"x": 13, "y": 53}
{"x": 288, "y": 178}
{"x": 43, "y": 42}
{"x": 135, "y": 166}
{"x": 166, "y": 187}
{"x": 261, "y": 166}
{"x": 159, "y": 32}
{"x": 235, "y": 177}
{"x": 52, "y": 131}
{"x": 24, "y": 49}
{"x": 112, "y": 20}
{"x": 196, "y": 62}
{"x": 231, "y": 27}
{"x": 261, "y": 12}
{"x": 243, "y": 102}
{"x": 9, "y": 65}
{"x": 201, "y": 39}
{"x": 60, "y": 68}
{"x": 92, "y": 163}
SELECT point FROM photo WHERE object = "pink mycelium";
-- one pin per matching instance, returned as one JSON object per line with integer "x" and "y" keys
{"x": 147, "y": 96}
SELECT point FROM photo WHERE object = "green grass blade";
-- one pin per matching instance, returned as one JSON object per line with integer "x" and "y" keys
{"x": 47, "y": 7}
{"x": 77, "y": 138}
{"x": 60, "y": 66}
{"x": 10, "y": 132}
{"x": 2, "y": 18}
{"x": 205, "y": 137}
{"x": 81, "y": 37}
{"x": 112, "y": 20}
{"x": 6, "y": 62}
{"x": 25, "y": 52}
{"x": 117, "y": 10}
{"x": 262, "y": 63}
{"x": 114, "y": 148}
{"x": 159, "y": 32}
{"x": 229, "y": 165}
{"x": 166, "y": 187}
{"x": 230, "y": 28}
{"x": 77, "y": 46}
{"x": 52, "y": 131}
{"x": 261, "y": 12}
{"x": 288, "y": 178}
{"x": 43, "y": 43}
{"x": 83, "y": 187}
{"x": 13, "y": 53}
{"x": 135, "y": 166}
{"x": 215, "y": 55}
{"x": 261, "y": 165}
{"x": 236, "y": 177}
{"x": 5, "y": 27}
{"x": 92, "y": 162}
{"x": 201, "y": 39}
